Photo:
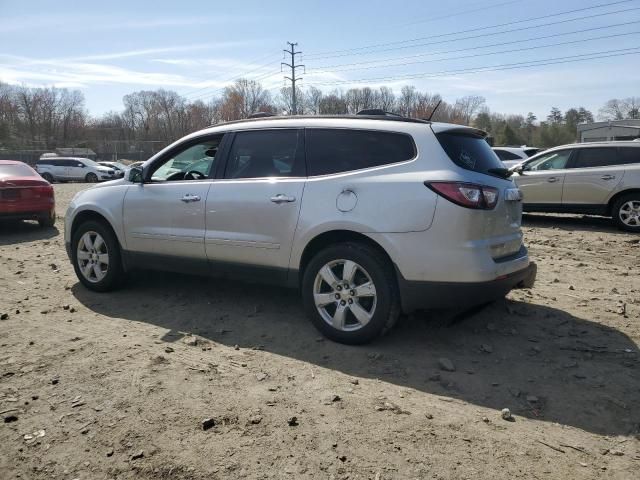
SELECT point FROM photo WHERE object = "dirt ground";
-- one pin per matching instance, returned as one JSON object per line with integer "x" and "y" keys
{"x": 117, "y": 385}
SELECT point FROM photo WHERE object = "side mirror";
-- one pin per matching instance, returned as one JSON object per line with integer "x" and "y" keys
{"x": 135, "y": 175}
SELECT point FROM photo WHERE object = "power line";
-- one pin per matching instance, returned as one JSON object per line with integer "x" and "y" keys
{"x": 292, "y": 78}
{"x": 467, "y": 11}
{"x": 271, "y": 62}
{"x": 513, "y": 50}
{"x": 357, "y": 51}
{"x": 442, "y": 52}
{"x": 492, "y": 68}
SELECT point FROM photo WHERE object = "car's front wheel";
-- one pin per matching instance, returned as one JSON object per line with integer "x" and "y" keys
{"x": 626, "y": 212}
{"x": 96, "y": 256}
{"x": 91, "y": 178}
{"x": 350, "y": 294}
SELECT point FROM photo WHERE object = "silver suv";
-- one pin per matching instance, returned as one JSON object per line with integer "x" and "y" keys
{"x": 65, "y": 169}
{"x": 590, "y": 178}
{"x": 369, "y": 215}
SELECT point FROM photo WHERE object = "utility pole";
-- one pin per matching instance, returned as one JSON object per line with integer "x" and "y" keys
{"x": 292, "y": 66}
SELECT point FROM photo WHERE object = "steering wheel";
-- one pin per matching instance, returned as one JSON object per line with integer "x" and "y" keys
{"x": 194, "y": 175}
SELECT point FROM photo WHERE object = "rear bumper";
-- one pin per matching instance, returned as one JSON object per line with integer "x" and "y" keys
{"x": 416, "y": 295}
{"x": 24, "y": 215}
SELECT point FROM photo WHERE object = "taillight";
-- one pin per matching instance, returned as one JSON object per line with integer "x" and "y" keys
{"x": 43, "y": 191}
{"x": 469, "y": 195}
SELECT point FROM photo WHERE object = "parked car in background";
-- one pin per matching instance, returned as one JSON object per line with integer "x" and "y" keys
{"x": 512, "y": 156}
{"x": 369, "y": 215}
{"x": 25, "y": 195}
{"x": 118, "y": 167}
{"x": 591, "y": 178}
{"x": 66, "y": 169}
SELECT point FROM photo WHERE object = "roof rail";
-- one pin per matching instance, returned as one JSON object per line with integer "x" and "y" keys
{"x": 377, "y": 111}
{"x": 270, "y": 116}
{"x": 261, "y": 115}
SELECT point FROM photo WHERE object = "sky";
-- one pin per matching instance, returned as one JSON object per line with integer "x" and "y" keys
{"x": 521, "y": 55}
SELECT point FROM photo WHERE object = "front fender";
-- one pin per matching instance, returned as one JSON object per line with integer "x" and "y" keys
{"x": 106, "y": 202}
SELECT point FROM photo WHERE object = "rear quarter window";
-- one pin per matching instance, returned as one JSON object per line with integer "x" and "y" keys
{"x": 469, "y": 151}
{"x": 343, "y": 150}
{"x": 629, "y": 155}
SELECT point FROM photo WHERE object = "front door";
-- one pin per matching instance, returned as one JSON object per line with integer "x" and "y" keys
{"x": 252, "y": 212}
{"x": 541, "y": 179}
{"x": 165, "y": 216}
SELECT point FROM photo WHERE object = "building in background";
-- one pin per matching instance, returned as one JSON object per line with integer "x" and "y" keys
{"x": 611, "y": 130}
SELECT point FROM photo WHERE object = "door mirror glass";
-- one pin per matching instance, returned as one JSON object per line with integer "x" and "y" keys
{"x": 135, "y": 175}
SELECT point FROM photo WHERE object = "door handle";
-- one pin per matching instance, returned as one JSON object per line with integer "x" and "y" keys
{"x": 190, "y": 198}
{"x": 552, "y": 179}
{"x": 608, "y": 177}
{"x": 282, "y": 198}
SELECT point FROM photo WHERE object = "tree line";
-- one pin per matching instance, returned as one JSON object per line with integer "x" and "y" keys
{"x": 47, "y": 118}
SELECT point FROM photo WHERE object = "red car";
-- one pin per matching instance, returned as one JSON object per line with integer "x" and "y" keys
{"x": 25, "y": 195}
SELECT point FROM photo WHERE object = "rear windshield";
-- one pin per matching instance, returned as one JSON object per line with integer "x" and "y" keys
{"x": 15, "y": 171}
{"x": 470, "y": 152}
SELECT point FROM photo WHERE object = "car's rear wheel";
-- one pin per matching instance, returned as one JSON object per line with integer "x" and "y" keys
{"x": 91, "y": 178}
{"x": 48, "y": 177}
{"x": 350, "y": 294}
{"x": 47, "y": 219}
{"x": 96, "y": 256}
{"x": 626, "y": 212}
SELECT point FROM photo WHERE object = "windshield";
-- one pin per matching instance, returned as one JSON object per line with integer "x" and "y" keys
{"x": 15, "y": 170}
{"x": 90, "y": 163}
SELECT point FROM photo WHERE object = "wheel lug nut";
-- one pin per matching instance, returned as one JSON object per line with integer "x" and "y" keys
{"x": 339, "y": 288}
{"x": 337, "y": 296}
{"x": 343, "y": 303}
{"x": 352, "y": 292}
{"x": 350, "y": 301}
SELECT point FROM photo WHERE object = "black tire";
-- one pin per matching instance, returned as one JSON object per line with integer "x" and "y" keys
{"x": 115, "y": 272}
{"x": 615, "y": 212}
{"x": 91, "y": 178}
{"x": 380, "y": 270}
{"x": 47, "y": 219}
{"x": 48, "y": 177}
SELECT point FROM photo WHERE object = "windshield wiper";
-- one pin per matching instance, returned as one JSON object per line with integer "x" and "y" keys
{"x": 500, "y": 172}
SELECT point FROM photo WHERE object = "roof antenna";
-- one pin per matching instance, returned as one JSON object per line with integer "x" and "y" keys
{"x": 434, "y": 110}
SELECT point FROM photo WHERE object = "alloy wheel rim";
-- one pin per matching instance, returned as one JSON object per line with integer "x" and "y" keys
{"x": 630, "y": 213}
{"x": 345, "y": 295}
{"x": 92, "y": 256}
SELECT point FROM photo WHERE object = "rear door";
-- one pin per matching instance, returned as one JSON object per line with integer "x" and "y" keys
{"x": 542, "y": 178}
{"x": 59, "y": 168}
{"x": 252, "y": 211}
{"x": 592, "y": 174}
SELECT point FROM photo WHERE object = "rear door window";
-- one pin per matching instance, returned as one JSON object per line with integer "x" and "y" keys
{"x": 470, "y": 152}
{"x": 343, "y": 150}
{"x": 629, "y": 155}
{"x": 595, "y": 157}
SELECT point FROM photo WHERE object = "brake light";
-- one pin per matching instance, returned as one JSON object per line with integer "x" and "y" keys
{"x": 468, "y": 195}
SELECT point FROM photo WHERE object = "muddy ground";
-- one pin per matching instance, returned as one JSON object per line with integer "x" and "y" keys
{"x": 117, "y": 385}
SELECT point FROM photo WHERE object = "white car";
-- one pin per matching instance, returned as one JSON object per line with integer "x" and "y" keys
{"x": 512, "y": 156}
{"x": 120, "y": 168}
{"x": 65, "y": 169}
{"x": 368, "y": 215}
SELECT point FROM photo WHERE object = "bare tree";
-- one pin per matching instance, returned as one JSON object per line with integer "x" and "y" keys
{"x": 468, "y": 106}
